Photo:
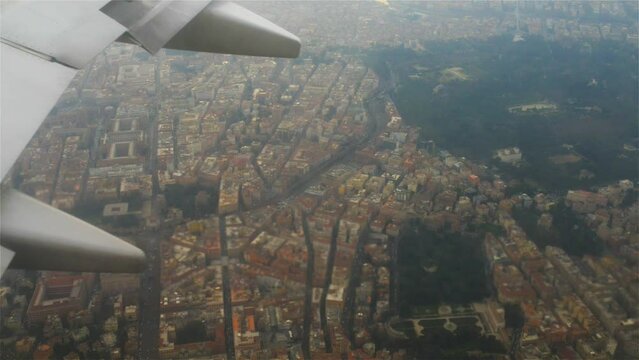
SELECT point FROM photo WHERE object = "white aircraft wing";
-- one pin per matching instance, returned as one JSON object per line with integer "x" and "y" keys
{"x": 43, "y": 44}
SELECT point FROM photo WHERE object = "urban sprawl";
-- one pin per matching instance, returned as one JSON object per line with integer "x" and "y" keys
{"x": 270, "y": 196}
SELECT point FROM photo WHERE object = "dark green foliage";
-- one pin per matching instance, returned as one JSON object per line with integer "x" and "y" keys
{"x": 61, "y": 350}
{"x": 183, "y": 198}
{"x": 514, "y": 316}
{"x": 193, "y": 332}
{"x": 126, "y": 221}
{"x": 5, "y": 332}
{"x": 629, "y": 199}
{"x": 520, "y": 188}
{"x": 568, "y": 231}
{"x": 135, "y": 201}
{"x": 459, "y": 278}
{"x": 90, "y": 210}
{"x": 460, "y": 345}
{"x": 471, "y": 117}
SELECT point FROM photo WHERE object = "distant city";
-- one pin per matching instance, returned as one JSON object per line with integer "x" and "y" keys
{"x": 272, "y": 198}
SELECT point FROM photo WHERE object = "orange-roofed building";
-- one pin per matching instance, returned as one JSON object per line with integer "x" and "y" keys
{"x": 43, "y": 352}
{"x": 236, "y": 322}
{"x": 473, "y": 179}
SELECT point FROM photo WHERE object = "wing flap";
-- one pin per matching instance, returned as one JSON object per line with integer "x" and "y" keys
{"x": 150, "y": 23}
{"x": 224, "y": 27}
{"x": 6, "y": 256}
{"x": 46, "y": 238}
{"x": 219, "y": 27}
{"x": 43, "y": 43}
{"x": 72, "y": 32}
{"x": 31, "y": 86}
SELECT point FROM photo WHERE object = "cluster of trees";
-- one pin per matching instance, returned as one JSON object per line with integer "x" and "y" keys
{"x": 471, "y": 118}
{"x": 439, "y": 267}
{"x": 568, "y": 231}
{"x": 194, "y": 201}
{"x": 464, "y": 343}
{"x": 194, "y": 331}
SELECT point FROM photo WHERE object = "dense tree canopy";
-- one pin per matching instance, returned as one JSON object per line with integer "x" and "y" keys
{"x": 439, "y": 267}
{"x": 593, "y": 85}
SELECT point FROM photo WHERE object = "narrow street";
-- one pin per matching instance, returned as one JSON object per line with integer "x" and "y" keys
{"x": 149, "y": 309}
{"x": 226, "y": 289}
{"x": 150, "y": 290}
{"x": 394, "y": 282}
{"x": 308, "y": 296}
{"x": 150, "y": 298}
{"x": 327, "y": 284}
{"x": 348, "y": 318}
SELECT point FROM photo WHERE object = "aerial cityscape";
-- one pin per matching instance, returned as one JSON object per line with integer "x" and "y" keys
{"x": 428, "y": 180}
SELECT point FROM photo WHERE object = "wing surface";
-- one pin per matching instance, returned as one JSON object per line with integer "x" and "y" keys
{"x": 43, "y": 44}
{"x": 44, "y": 237}
{"x": 31, "y": 86}
{"x": 228, "y": 28}
{"x": 70, "y": 32}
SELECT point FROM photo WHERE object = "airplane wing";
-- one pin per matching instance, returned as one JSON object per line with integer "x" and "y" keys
{"x": 43, "y": 44}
